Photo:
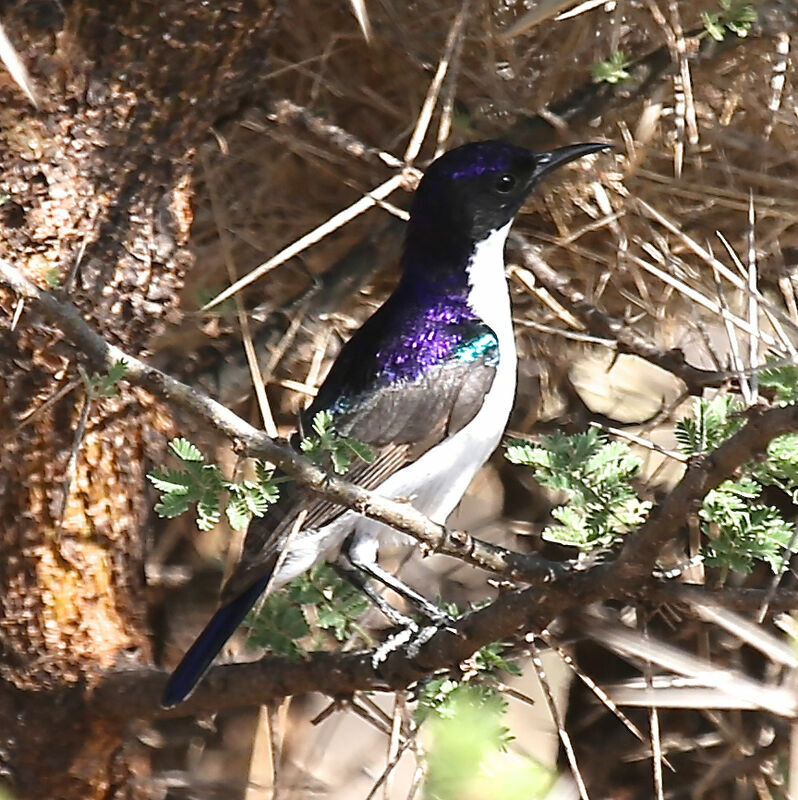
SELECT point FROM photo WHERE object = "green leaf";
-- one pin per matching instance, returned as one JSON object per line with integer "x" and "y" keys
{"x": 613, "y": 70}
{"x": 107, "y": 383}
{"x": 278, "y": 625}
{"x": 434, "y": 696}
{"x": 53, "y": 278}
{"x": 340, "y": 459}
{"x": 713, "y": 421}
{"x": 466, "y": 756}
{"x": 172, "y": 505}
{"x": 208, "y": 513}
{"x": 739, "y": 17}
{"x": 204, "y": 484}
{"x": 185, "y": 450}
{"x": 338, "y": 603}
{"x": 322, "y": 423}
{"x": 596, "y": 475}
{"x": 100, "y": 386}
{"x": 360, "y": 449}
{"x": 258, "y": 498}
{"x": 740, "y": 533}
{"x": 520, "y": 452}
{"x": 783, "y": 380}
{"x": 238, "y": 513}
{"x": 283, "y": 620}
{"x": 312, "y": 449}
{"x": 171, "y": 481}
{"x": 340, "y": 449}
{"x": 739, "y": 530}
{"x": 713, "y": 25}
{"x": 331, "y": 618}
{"x": 490, "y": 660}
{"x": 303, "y": 591}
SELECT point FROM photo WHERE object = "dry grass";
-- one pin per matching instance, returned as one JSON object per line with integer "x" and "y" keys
{"x": 688, "y": 232}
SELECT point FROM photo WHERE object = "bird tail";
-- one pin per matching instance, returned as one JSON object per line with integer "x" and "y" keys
{"x": 196, "y": 662}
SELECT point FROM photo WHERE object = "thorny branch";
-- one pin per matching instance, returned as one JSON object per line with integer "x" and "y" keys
{"x": 596, "y": 99}
{"x": 599, "y": 323}
{"x": 552, "y": 589}
{"x": 248, "y": 440}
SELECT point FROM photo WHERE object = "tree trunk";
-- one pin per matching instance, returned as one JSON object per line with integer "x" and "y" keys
{"x": 95, "y": 190}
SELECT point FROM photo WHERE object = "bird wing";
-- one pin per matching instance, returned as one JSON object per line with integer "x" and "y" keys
{"x": 400, "y": 420}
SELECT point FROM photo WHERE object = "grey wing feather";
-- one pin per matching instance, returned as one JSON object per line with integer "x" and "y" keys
{"x": 400, "y": 422}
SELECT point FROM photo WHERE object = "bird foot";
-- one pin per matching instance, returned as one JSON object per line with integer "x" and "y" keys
{"x": 438, "y": 617}
{"x": 423, "y": 636}
{"x": 394, "y": 642}
{"x": 412, "y": 639}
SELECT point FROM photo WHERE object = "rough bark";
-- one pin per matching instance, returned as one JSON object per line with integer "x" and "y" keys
{"x": 96, "y": 182}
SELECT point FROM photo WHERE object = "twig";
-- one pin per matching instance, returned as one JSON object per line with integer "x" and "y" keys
{"x": 336, "y": 221}
{"x": 653, "y": 716}
{"x": 557, "y": 718}
{"x": 642, "y": 441}
{"x": 707, "y": 257}
{"x": 13, "y": 63}
{"x": 72, "y": 463}
{"x": 433, "y": 92}
{"x": 703, "y": 474}
{"x": 702, "y": 300}
{"x": 285, "y": 112}
{"x": 600, "y": 694}
{"x": 250, "y": 441}
{"x": 602, "y": 324}
{"x": 728, "y": 597}
{"x": 554, "y": 588}
{"x": 221, "y": 223}
{"x": 384, "y": 778}
{"x": 777, "y": 79}
{"x": 734, "y": 350}
{"x": 753, "y": 301}
{"x": 450, "y": 84}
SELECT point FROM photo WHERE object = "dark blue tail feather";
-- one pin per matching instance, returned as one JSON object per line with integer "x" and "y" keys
{"x": 200, "y": 655}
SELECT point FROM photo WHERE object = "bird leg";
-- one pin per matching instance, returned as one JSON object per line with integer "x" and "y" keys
{"x": 359, "y": 580}
{"x": 356, "y": 555}
{"x": 362, "y": 556}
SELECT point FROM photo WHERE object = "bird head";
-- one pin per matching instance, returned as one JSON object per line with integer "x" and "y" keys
{"x": 479, "y": 187}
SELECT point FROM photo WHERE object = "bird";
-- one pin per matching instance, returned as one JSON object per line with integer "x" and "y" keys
{"x": 427, "y": 382}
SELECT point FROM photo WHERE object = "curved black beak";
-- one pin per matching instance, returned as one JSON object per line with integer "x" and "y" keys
{"x": 550, "y": 160}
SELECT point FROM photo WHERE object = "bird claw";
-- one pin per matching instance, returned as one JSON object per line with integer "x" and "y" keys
{"x": 439, "y": 618}
{"x": 394, "y": 642}
{"x": 412, "y": 638}
{"x": 421, "y": 638}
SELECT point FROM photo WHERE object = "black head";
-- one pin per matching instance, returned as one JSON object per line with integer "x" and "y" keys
{"x": 479, "y": 187}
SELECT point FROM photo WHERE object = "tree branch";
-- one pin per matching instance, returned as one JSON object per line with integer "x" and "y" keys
{"x": 101, "y": 355}
{"x": 513, "y": 612}
{"x": 599, "y": 323}
{"x": 731, "y": 597}
{"x": 703, "y": 474}
{"x": 555, "y": 588}
{"x": 136, "y": 693}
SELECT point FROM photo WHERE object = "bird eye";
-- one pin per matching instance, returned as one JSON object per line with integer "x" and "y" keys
{"x": 505, "y": 183}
